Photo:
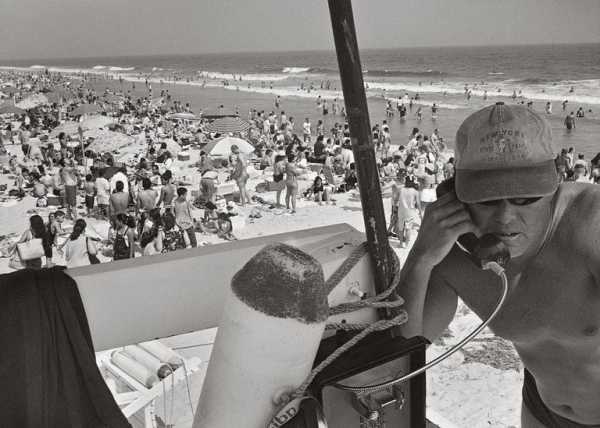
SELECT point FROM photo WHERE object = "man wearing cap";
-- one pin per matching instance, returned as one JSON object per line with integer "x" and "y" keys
{"x": 507, "y": 185}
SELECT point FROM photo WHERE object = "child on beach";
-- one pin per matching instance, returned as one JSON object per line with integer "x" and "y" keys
{"x": 317, "y": 191}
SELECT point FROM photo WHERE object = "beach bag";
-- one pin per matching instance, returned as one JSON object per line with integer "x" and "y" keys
{"x": 32, "y": 249}
{"x": 15, "y": 262}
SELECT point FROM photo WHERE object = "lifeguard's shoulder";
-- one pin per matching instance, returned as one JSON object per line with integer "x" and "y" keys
{"x": 581, "y": 217}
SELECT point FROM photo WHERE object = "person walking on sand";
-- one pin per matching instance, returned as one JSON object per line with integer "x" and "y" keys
{"x": 409, "y": 211}
{"x": 70, "y": 177}
{"x": 183, "y": 215}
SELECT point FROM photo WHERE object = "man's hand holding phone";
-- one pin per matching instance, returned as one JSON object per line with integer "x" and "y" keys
{"x": 444, "y": 221}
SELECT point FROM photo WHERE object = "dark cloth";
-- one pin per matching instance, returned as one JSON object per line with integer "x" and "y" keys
{"x": 48, "y": 369}
{"x": 319, "y": 149}
{"x": 89, "y": 201}
{"x": 71, "y": 196}
{"x": 33, "y": 263}
{"x": 49, "y": 241}
{"x": 534, "y": 403}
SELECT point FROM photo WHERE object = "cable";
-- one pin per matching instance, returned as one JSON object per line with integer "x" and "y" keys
{"x": 494, "y": 267}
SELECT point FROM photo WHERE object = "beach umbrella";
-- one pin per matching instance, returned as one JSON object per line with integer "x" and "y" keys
{"x": 85, "y": 109}
{"x": 219, "y": 114}
{"x": 69, "y": 128}
{"x": 56, "y": 95}
{"x": 222, "y": 147}
{"x": 227, "y": 125}
{"x": 97, "y": 122}
{"x": 10, "y": 108}
{"x": 33, "y": 101}
{"x": 107, "y": 141}
{"x": 183, "y": 115}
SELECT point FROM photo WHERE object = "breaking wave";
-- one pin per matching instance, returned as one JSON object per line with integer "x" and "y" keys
{"x": 295, "y": 69}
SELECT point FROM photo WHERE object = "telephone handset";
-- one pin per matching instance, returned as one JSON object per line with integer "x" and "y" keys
{"x": 482, "y": 250}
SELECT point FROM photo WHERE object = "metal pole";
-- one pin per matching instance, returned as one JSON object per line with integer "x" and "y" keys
{"x": 355, "y": 99}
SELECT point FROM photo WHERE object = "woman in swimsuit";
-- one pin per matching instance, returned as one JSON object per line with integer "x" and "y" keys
{"x": 291, "y": 182}
{"x": 124, "y": 238}
{"x": 239, "y": 174}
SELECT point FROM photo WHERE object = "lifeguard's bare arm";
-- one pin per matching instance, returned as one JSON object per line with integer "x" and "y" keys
{"x": 429, "y": 301}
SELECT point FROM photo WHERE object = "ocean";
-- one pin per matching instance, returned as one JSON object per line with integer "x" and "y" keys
{"x": 540, "y": 74}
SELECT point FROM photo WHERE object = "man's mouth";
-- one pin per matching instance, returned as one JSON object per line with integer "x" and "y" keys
{"x": 507, "y": 236}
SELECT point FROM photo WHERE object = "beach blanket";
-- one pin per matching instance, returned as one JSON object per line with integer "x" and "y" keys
{"x": 49, "y": 375}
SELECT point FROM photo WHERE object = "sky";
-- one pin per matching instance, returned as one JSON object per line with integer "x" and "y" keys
{"x": 98, "y": 28}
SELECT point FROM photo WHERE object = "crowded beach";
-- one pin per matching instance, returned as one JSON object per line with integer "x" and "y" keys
{"x": 103, "y": 175}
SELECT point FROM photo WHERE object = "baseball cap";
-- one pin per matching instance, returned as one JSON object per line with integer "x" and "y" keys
{"x": 504, "y": 151}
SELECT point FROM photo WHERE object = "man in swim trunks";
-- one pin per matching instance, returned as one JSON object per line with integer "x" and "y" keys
{"x": 506, "y": 185}
{"x": 118, "y": 201}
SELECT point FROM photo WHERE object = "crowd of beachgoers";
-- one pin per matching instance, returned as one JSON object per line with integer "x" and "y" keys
{"x": 117, "y": 172}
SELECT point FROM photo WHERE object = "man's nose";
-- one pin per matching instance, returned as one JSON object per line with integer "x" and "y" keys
{"x": 504, "y": 213}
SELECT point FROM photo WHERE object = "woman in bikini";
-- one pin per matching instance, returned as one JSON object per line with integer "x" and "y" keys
{"x": 291, "y": 182}
{"x": 123, "y": 246}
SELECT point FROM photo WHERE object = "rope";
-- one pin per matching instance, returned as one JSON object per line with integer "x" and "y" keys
{"x": 364, "y": 328}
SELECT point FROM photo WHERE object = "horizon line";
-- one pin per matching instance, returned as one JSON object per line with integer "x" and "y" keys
{"x": 278, "y": 51}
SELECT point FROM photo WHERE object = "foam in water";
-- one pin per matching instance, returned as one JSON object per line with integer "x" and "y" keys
{"x": 586, "y": 91}
{"x": 296, "y": 69}
{"x": 121, "y": 68}
{"x": 99, "y": 67}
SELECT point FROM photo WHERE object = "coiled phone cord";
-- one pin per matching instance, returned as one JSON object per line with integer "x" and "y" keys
{"x": 494, "y": 267}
